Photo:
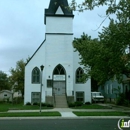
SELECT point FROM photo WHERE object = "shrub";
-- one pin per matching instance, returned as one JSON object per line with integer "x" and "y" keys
{"x": 43, "y": 104}
{"x": 28, "y": 103}
{"x": 78, "y": 103}
{"x": 120, "y": 99}
{"x": 17, "y": 100}
{"x": 49, "y": 105}
{"x": 87, "y": 103}
{"x": 35, "y": 103}
{"x": 126, "y": 103}
{"x": 71, "y": 104}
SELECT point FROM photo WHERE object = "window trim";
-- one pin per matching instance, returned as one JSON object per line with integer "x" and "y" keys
{"x": 37, "y": 76}
{"x": 77, "y": 71}
{"x": 49, "y": 83}
{"x": 36, "y": 97}
{"x": 80, "y": 97}
{"x": 59, "y": 70}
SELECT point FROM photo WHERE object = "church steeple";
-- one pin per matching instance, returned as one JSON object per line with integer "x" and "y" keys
{"x": 55, "y": 5}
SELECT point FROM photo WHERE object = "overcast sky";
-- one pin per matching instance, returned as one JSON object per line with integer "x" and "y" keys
{"x": 22, "y": 28}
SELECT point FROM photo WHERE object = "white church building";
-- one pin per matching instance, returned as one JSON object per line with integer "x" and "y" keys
{"x": 62, "y": 71}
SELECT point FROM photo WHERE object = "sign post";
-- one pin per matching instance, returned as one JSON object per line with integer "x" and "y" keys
{"x": 42, "y": 67}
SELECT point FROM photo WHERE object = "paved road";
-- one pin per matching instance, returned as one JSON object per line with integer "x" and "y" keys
{"x": 59, "y": 124}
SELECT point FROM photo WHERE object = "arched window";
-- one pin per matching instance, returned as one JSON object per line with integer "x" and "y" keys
{"x": 59, "y": 70}
{"x": 36, "y": 75}
{"x": 79, "y": 75}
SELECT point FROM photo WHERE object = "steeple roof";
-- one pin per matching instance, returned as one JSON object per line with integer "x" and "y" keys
{"x": 54, "y": 4}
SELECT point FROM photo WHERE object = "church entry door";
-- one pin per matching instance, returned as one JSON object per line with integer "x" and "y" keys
{"x": 59, "y": 80}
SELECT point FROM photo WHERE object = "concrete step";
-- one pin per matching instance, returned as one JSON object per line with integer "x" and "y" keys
{"x": 61, "y": 101}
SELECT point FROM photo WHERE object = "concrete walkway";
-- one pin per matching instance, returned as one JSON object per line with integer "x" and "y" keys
{"x": 68, "y": 112}
{"x": 65, "y": 112}
{"x": 115, "y": 107}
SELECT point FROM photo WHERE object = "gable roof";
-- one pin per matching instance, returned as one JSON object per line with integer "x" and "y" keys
{"x": 54, "y": 4}
{"x": 35, "y": 52}
{"x": 8, "y": 91}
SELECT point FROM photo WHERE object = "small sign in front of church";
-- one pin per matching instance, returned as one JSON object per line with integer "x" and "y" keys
{"x": 59, "y": 77}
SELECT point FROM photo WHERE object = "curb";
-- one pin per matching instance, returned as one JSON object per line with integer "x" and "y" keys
{"x": 77, "y": 118}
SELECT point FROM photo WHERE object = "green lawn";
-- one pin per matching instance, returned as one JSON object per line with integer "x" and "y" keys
{"x": 4, "y": 107}
{"x": 29, "y": 114}
{"x": 114, "y": 113}
{"x": 92, "y": 106}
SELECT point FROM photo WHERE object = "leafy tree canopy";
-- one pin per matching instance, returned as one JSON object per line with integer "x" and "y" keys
{"x": 112, "y": 5}
{"x": 17, "y": 76}
{"x": 105, "y": 58}
{"x": 4, "y": 81}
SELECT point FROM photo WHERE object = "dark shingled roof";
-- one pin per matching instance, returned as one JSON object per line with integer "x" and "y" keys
{"x": 54, "y": 4}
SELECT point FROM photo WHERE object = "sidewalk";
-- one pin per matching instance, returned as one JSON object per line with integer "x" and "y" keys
{"x": 116, "y": 107}
{"x": 68, "y": 112}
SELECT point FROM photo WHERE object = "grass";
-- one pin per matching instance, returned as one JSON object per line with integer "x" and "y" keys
{"x": 113, "y": 113}
{"x": 29, "y": 114}
{"x": 4, "y": 107}
{"x": 92, "y": 106}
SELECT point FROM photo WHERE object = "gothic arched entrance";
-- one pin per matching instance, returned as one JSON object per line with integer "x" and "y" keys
{"x": 59, "y": 80}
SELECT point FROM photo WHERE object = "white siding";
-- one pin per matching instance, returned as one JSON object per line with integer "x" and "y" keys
{"x": 86, "y": 87}
{"x": 57, "y": 49}
{"x": 59, "y": 25}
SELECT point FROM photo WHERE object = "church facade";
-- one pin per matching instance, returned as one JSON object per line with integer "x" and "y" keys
{"x": 62, "y": 71}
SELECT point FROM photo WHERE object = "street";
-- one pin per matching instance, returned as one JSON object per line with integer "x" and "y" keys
{"x": 59, "y": 124}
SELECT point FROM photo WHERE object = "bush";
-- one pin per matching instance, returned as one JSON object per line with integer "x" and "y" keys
{"x": 126, "y": 103}
{"x": 71, "y": 104}
{"x": 28, "y": 103}
{"x": 87, "y": 103}
{"x": 49, "y": 105}
{"x": 43, "y": 104}
{"x": 78, "y": 103}
{"x": 35, "y": 103}
{"x": 121, "y": 99}
{"x": 17, "y": 100}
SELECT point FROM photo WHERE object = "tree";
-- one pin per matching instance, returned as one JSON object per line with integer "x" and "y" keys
{"x": 116, "y": 38}
{"x": 106, "y": 58}
{"x": 4, "y": 82}
{"x": 17, "y": 76}
{"x": 92, "y": 57}
{"x": 111, "y": 5}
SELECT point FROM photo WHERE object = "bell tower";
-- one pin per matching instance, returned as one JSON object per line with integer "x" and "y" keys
{"x": 59, "y": 37}
{"x": 58, "y": 17}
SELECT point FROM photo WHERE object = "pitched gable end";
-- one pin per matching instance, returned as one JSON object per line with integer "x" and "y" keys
{"x": 59, "y": 11}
